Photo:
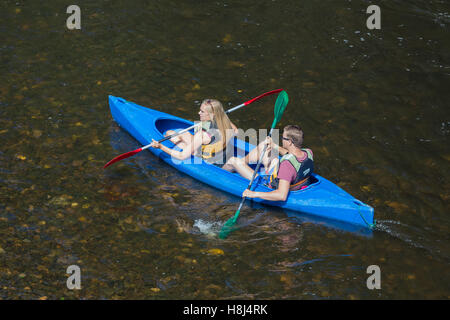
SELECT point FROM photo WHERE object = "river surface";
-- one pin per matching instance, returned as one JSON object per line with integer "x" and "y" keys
{"x": 374, "y": 106}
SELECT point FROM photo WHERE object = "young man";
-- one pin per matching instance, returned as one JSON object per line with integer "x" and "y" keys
{"x": 290, "y": 173}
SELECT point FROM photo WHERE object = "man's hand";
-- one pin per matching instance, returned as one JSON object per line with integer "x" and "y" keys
{"x": 269, "y": 144}
{"x": 249, "y": 194}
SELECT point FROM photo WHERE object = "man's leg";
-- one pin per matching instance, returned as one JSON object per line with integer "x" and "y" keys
{"x": 253, "y": 156}
{"x": 239, "y": 165}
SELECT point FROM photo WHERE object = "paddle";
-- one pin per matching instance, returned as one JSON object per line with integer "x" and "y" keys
{"x": 280, "y": 105}
{"x": 132, "y": 153}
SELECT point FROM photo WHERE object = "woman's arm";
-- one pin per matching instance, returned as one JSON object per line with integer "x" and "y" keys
{"x": 234, "y": 127}
{"x": 282, "y": 151}
{"x": 199, "y": 138}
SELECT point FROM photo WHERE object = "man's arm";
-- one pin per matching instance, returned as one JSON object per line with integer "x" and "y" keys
{"x": 282, "y": 151}
{"x": 277, "y": 195}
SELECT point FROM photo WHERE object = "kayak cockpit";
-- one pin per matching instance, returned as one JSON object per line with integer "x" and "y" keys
{"x": 165, "y": 124}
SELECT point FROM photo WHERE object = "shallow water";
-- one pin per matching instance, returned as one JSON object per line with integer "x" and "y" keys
{"x": 373, "y": 105}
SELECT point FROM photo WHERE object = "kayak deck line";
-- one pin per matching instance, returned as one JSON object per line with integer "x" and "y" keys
{"x": 321, "y": 198}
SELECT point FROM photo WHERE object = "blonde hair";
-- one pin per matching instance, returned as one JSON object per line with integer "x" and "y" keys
{"x": 218, "y": 115}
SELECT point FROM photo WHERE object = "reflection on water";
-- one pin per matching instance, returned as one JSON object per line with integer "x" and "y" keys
{"x": 372, "y": 103}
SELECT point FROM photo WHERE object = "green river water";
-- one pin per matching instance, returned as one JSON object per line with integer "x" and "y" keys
{"x": 373, "y": 105}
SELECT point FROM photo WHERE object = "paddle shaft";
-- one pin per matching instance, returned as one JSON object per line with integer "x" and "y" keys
{"x": 280, "y": 105}
{"x": 258, "y": 165}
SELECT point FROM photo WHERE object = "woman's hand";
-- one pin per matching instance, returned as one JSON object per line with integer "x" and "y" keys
{"x": 249, "y": 194}
{"x": 155, "y": 144}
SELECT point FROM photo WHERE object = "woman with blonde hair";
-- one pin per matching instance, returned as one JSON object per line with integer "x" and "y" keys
{"x": 210, "y": 138}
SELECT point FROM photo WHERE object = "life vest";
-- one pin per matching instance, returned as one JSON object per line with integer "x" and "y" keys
{"x": 214, "y": 147}
{"x": 304, "y": 170}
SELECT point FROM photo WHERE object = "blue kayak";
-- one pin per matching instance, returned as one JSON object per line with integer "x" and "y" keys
{"x": 321, "y": 198}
